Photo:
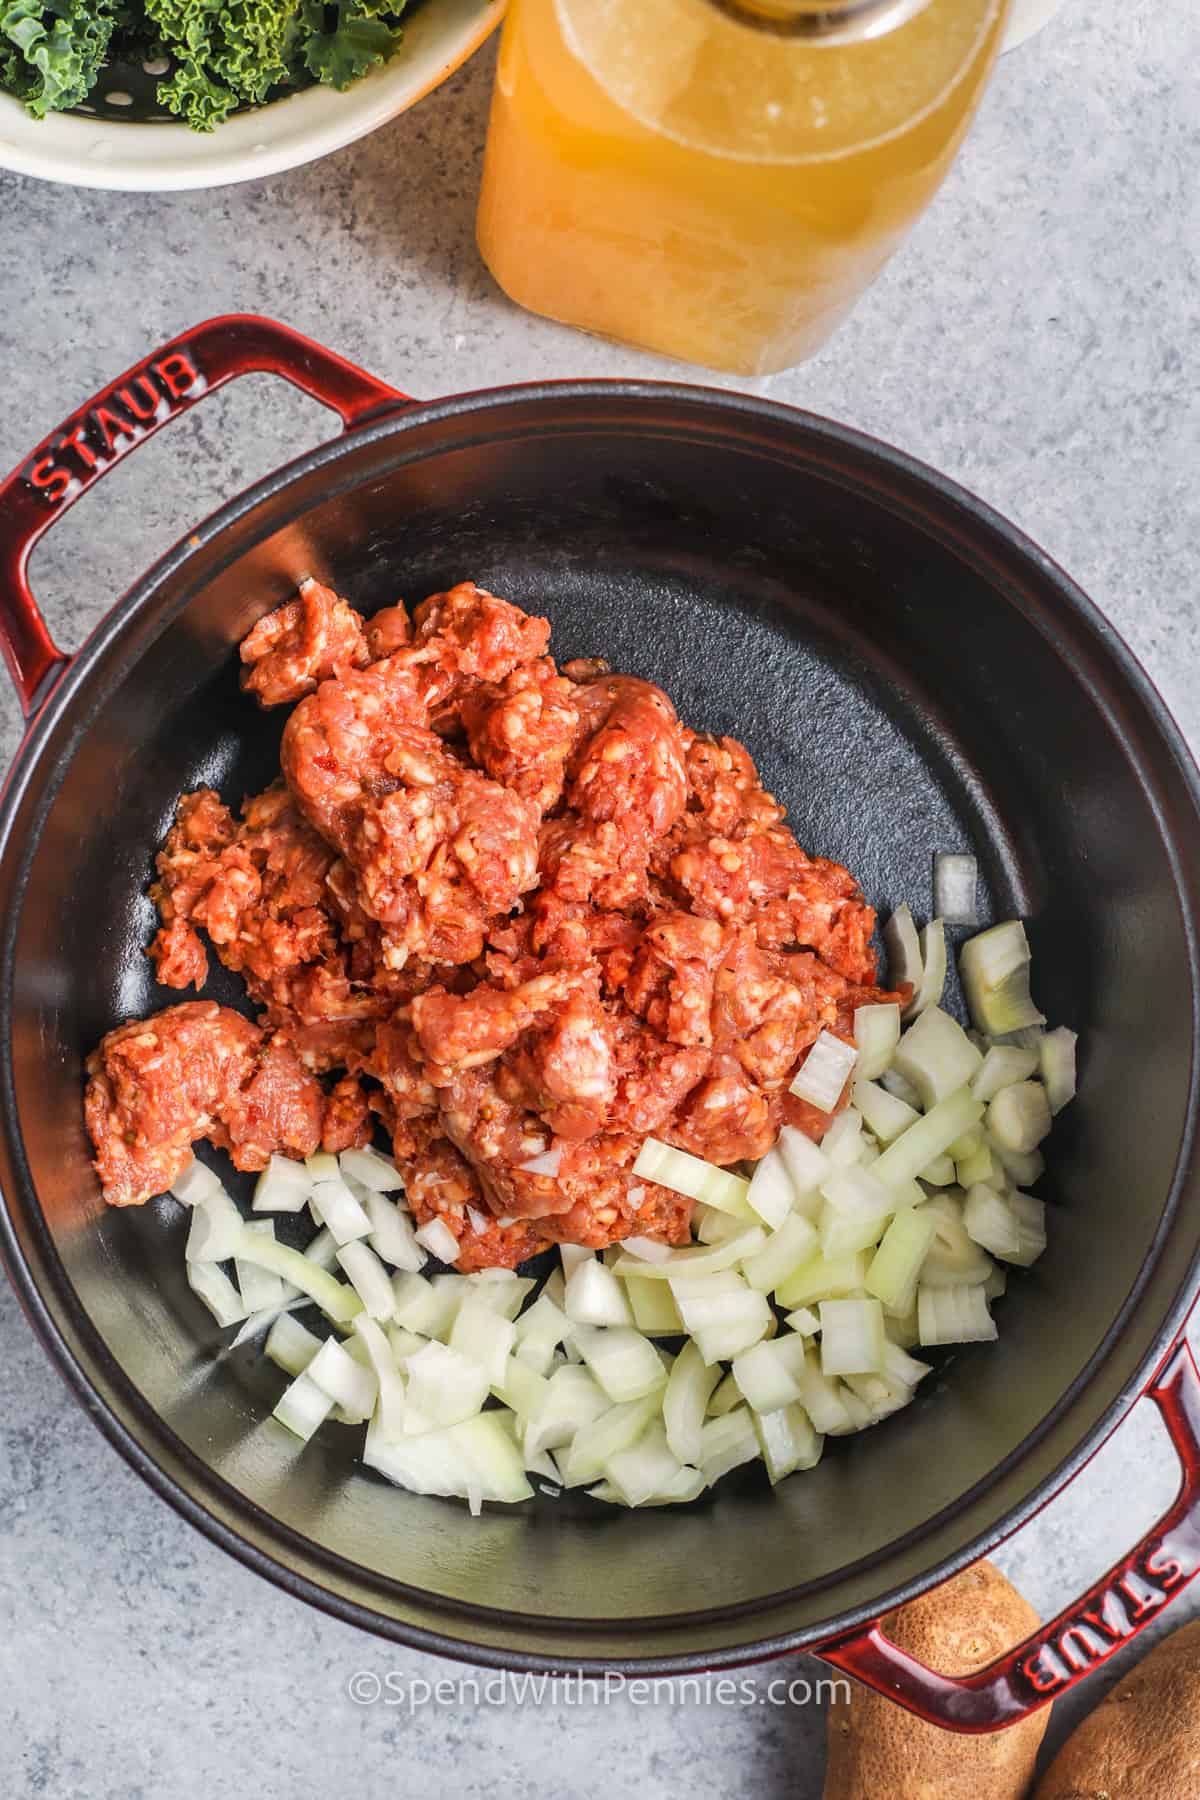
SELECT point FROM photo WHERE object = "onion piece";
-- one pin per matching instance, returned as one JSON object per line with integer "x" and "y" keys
{"x": 1056, "y": 1054}
{"x": 803, "y": 1320}
{"x": 771, "y": 1193}
{"x": 322, "y": 1250}
{"x": 821, "y": 1278}
{"x": 322, "y": 1165}
{"x": 876, "y": 1034}
{"x": 526, "y": 1392}
{"x": 933, "y": 970}
{"x": 953, "y": 1259}
{"x": 1018, "y": 1118}
{"x": 990, "y": 1221}
{"x": 647, "y": 1249}
{"x": 645, "y": 1469}
{"x": 852, "y": 1337}
{"x": 1030, "y": 1216}
{"x": 444, "y": 1386}
{"x": 787, "y": 1441}
{"x": 936, "y": 1056}
{"x": 696, "y": 1259}
{"x": 436, "y": 1237}
{"x": 604, "y": 1437}
{"x": 303, "y": 1406}
{"x": 547, "y": 1163}
{"x": 261, "y": 1289}
{"x": 954, "y": 1315}
{"x": 392, "y": 1236}
{"x": 195, "y": 1181}
{"x": 690, "y": 1175}
{"x": 595, "y": 1297}
{"x": 344, "y": 1379}
{"x": 290, "y": 1345}
{"x": 726, "y": 1442}
{"x": 653, "y": 1304}
{"x": 883, "y": 1114}
{"x": 216, "y": 1228}
{"x": 940, "y": 1172}
{"x": 782, "y": 1254}
{"x": 895, "y": 1083}
{"x": 769, "y": 1374}
{"x": 333, "y": 1205}
{"x": 573, "y": 1401}
{"x": 624, "y": 1363}
{"x": 903, "y": 950}
{"x": 390, "y": 1401}
{"x": 843, "y": 1144}
{"x": 483, "y": 1337}
{"x": 895, "y": 1266}
{"x": 370, "y": 1170}
{"x": 825, "y": 1071}
{"x": 954, "y": 879}
{"x": 209, "y": 1282}
{"x": 1023, "y": 1167}
{"x": 421, "y": 1307}
{"x": 283, "y": 1187}
{"x": 475, "y": 1460}
{"x": 995, "y": 975}
{"x": 685, "y": 1402}
{"x": 806, "y": 1163}
{"x": 369, "y": 1279}
{"x": 1003, "y": 1066}
{"x": 742, "y": 1327}
{"x": 977, "y": 1167}
{"x": 904, "y": 1159}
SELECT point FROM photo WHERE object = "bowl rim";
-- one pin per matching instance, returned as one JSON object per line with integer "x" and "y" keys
{"x": 125, "y": 156}
{"x": 208, "y": 1500}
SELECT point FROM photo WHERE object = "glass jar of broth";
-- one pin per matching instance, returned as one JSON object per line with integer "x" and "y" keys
{"x": 719, "y": 180}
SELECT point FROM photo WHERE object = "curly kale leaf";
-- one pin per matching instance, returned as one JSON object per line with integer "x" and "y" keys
{"x": 50, "y": 54}
{"x": 356, "y": 41}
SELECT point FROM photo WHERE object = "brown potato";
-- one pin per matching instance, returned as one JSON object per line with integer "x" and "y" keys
{"x": 877, "y": 1751}
{"x": 1143, "y": 1740}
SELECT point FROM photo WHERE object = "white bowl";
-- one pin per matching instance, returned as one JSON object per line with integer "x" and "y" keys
{"x": 136, "y": 158}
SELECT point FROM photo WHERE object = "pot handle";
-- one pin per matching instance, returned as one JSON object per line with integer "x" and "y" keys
{"x": 122, "y": 416}
{"x": 1084, "y": 1635}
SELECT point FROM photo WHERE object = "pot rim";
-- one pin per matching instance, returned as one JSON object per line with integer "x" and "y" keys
{"x": 88, "y": 1366}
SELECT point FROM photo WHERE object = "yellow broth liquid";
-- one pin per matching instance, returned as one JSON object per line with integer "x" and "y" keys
{"x": 667, "y": 175}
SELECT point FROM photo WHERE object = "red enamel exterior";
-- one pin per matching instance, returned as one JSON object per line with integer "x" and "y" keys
{"x": 123, "y": 415}
{"x": 132, "y": 408}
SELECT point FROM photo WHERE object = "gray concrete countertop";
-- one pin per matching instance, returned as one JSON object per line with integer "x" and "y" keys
{"x": 1034, "y": 341}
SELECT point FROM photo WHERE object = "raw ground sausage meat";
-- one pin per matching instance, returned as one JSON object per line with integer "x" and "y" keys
{"x": 523, "y": 914}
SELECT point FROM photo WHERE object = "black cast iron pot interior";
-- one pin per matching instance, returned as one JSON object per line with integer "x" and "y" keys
{"x": 911, "y": 675}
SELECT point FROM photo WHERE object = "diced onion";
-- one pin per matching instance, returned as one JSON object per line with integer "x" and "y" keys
{"x": 685, "y": 1402}
{"x": 883, "y": 1114}
{"x": 645, "y": 1469}
{"x": 216, "y": 1228}
{"x": 444, "y": 1386}
{"x": 322, "y": 1165}
{"x": 895, "y": 1083}
{"x": 392, "y": 1236}
{"x": 595, "y": 1297}
{"x": 437, "y": 1237}
{"x": 475, "y": 1460}
{"x": 821, "y": 1277}
{"x": 895, "y": 1266}
{"x": 771, "y": 1194}
{"x": 333, "y": 1205}
{"x": 903, "y": 1160}
{"x": 727, "y": 1442}
{"x": 482, "y": 1336}
{"x": 933, "y": 970}
{"x": 261, "y": 1289}
{"x": 624, "y": 1363}
{"x": 804, "y": 1320}
{"x": 852, "y": 1340}
{"x": 876, "y": 1034}
{"x": 787, "y": 1441}
{"x": 769, "y": 1374}
{"x": 369, "y": 1279}
{"x": 904, "y": 950}
{"x": 548, "y": 1163}
{"x": 806, "y": 1162}
{"x": 1056, "y": 1054}
{"x": 690, "y": 1175}
{"x": 954, "y": 1315}
{"x": 283, "y": 1187}
{"x": 782, "y": 1254}
{"x": 1030, "y": 1215}
{"x": 995, "y": 977}
{"x": 647, "y": 1249}
{"x": 371, "y": 1170}
{"x": 936, "y": 1056}
{"x": 344, "y": 1379}
{"x": 290, "y": 1345}
{"x": 954, "y": 880}
{"x": 194, "y": 1182}
{"x": 654, "y": 1310}
{"x": 389, "y": 1401}
{"x": 825, "y": 1072}
{"x": 843, "y": 1144}
{"x": 209, "y": 1282}
{"x": 303, "y": 1406}
{"x": 1003, "y": 1066}
{"x": 606, "y": 1436}
{"x": 696, "y": 1259}
{"x": 1018, "y": 1118}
